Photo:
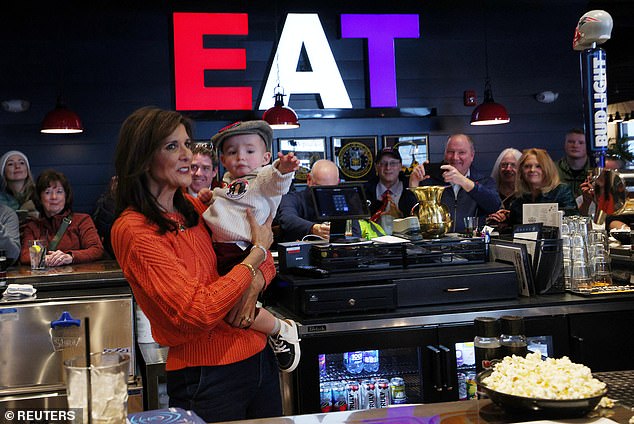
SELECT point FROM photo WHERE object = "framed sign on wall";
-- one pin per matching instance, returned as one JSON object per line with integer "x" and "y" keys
{"x": 414, "y": 149}
{"x": 308, "y": 150}
{"x": 355, "y": 156}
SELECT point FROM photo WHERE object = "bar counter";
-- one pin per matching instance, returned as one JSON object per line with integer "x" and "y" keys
{"x": 463, "y": 412}
{"x": 99, "y": 273}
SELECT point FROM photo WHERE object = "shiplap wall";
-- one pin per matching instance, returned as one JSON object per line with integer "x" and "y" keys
{"x": 109, "y": 58}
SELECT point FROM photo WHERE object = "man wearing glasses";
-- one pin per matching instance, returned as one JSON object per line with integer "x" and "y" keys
{"x": 390, "y": 186}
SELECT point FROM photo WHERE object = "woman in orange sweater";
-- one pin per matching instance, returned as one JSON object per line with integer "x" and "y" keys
{"x": 216, "y": 366}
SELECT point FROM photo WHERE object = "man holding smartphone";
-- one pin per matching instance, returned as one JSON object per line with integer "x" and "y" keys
{"x": 472, "y": 193}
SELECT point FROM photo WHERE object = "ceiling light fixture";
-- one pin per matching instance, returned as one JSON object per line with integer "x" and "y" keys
{"x": 489, "y": 112}
{"x": 279, "y": 116}
{"x": 61, "y": 120}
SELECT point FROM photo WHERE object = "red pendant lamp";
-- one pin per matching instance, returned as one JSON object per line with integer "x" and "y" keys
{"x": 279, "y": 116}
{"x": 61, "y": 120}
{"x": 489, "y": 112}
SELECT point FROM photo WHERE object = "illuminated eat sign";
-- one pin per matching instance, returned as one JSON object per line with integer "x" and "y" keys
{"x": 191, "y": 59}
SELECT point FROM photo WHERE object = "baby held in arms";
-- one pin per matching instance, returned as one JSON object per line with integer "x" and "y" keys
{"x": 250, "y": 184}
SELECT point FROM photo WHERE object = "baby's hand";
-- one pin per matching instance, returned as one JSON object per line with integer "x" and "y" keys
{"x": 288, "y": 162}
{"x": 206, "y": 196}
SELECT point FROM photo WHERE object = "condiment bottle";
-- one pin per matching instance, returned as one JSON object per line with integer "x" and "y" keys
{"x": 486, "y": 342}
{"x": 512, "y": 336}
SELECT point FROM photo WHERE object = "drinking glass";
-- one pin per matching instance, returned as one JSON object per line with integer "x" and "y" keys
{"x": 37, "y": 253}
{"x": 108, "y": 387}
{"x": 601, "y": 276}
{"x": 580, "y": 278}
{"x": 470, "y": 225}
{"x": 387, "y": 223}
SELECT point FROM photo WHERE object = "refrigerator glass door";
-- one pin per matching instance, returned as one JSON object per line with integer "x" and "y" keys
{"x": 329, "y": 362}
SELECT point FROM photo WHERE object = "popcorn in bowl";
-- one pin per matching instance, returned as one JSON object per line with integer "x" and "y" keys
{"x": 532, "y": 377}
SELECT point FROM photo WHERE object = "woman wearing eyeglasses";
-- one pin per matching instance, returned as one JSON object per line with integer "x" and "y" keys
{"x": 539, "y": 182}
{"x": 505, "y": 174}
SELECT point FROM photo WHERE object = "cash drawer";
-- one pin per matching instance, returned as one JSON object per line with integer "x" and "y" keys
{"x": 316, "y": 301}
{"x": 456, "y": 288}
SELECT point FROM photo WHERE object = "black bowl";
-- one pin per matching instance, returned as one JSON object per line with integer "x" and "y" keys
{"x": 519, "y": 405}
{"x": 625, "y": 237}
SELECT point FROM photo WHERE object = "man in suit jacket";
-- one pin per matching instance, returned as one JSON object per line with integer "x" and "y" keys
{"x": 469, "y": 193}
{"x": 390, "y": 184}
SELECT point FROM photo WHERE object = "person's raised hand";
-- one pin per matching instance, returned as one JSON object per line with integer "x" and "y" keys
{"x": 417, "y": 175}
{"x": 206, "y": 196}
{"x": 288, "y": 162}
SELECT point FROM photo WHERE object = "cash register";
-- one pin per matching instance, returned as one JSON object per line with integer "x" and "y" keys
{"x": 337, "y": 205}
{"x": 347, "y": 275}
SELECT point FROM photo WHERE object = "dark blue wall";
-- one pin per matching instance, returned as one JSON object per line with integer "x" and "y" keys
{"x": 109, "y": 58}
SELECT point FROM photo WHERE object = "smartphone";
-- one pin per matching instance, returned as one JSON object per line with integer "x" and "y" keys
{"x": 434, "y": 171}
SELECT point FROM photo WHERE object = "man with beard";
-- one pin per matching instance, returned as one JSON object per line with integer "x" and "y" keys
{"x": 470, "y": 193}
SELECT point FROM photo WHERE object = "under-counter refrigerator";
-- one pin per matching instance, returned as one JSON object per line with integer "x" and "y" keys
{"x": 412, "y": 363}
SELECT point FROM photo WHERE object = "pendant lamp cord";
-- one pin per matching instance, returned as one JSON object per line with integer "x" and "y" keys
{"x": 487, "y": 79}
{"x": 278, "y": 89}
{"x": 486, "y": 50}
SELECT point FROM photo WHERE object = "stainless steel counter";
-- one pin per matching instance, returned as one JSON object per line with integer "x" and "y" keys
{"x": 34, "y": 344}
{"x": 99, "y": 273}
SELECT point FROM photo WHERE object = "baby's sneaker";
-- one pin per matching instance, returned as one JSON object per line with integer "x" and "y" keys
{"x": 286, "y": 345}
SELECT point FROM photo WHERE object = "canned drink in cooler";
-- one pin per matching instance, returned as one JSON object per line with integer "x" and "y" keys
{"x": 397, "y": 391}
{"x": 462, "y": 386}
{"x": 339, "y": 397}
{"x": 325, "y": 396}
{"x": 382, "y": 392}
{"x": 472, "y": 386}
{"x": 368, "y": 394}
{"x": 353, "y": 395}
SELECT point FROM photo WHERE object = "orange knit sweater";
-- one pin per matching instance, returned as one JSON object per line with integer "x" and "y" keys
{"x": 175, "y": 281}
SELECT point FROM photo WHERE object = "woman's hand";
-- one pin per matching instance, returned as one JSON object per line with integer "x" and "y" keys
{"x": 499, "y": 216}
{"x": 243, "y": 312}
{"x": 58, "y": 258}
{"x": 261, "y": 235}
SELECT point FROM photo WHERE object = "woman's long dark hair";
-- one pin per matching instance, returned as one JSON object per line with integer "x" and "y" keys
{"x": 141, "y": 136}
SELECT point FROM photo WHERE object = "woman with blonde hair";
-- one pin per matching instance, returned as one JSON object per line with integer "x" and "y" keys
{"x": 539, "y": 182}
{"x": 16, "y": 182}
